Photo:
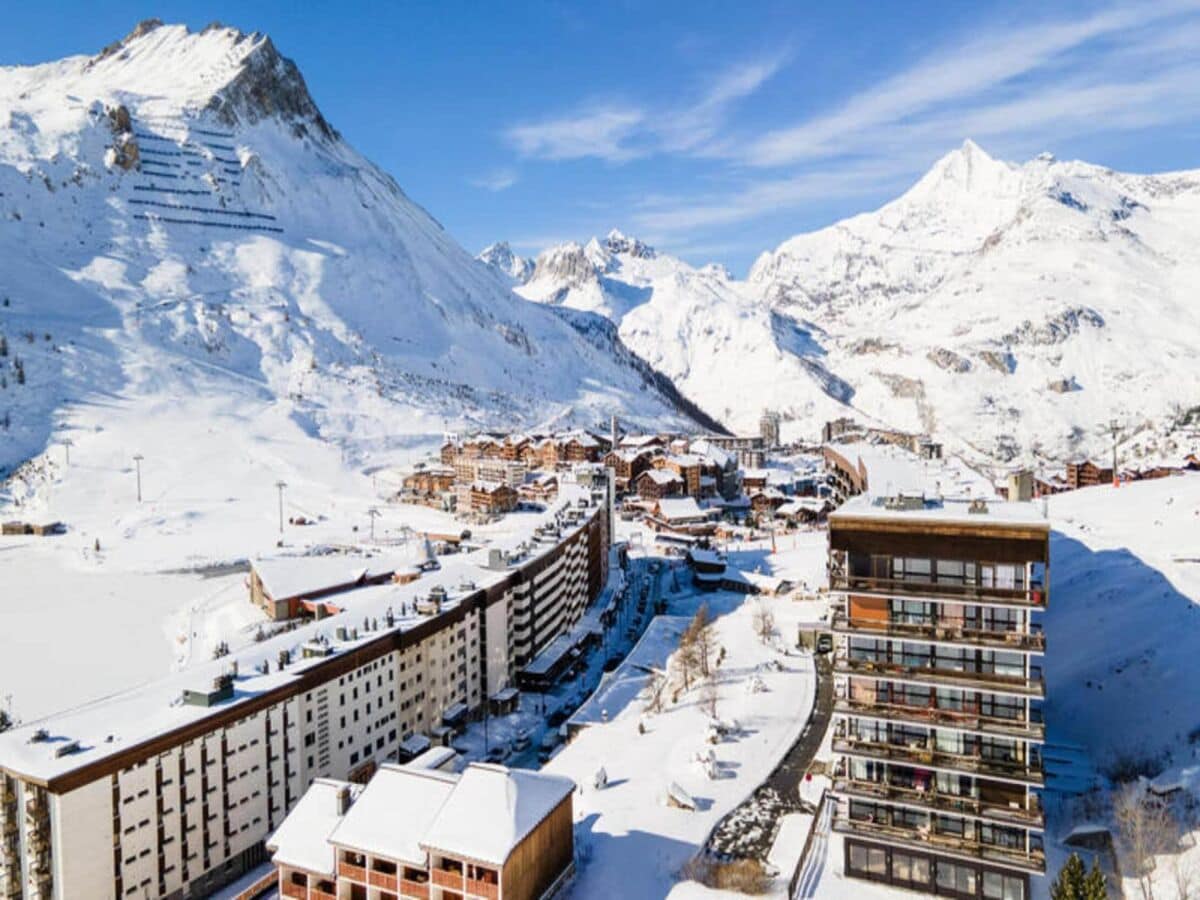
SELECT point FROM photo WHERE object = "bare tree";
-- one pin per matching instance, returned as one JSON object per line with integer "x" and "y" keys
{"x": 1146, "y": 829}
{"x": 764, "y": 621}
{"x": 655, "y": 688}
{"x": 709, "y": 697}
{"x": 701, "y": 628}
{"x": 686, "y": 660}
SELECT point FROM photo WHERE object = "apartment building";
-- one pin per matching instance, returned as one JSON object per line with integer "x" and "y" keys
{"x": 489, "y": 833}
{"x": 170, "y": 790}
{"x": 938, "y": 721}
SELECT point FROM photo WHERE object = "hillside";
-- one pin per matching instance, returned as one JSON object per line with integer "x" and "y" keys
{"x": 1012, "y": 310}
{"x": 176, "y": 216}
{"x": 724, "y": 350}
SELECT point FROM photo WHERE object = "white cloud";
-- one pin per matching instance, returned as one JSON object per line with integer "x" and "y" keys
{"x": 952, "y": 75}
{"x": 499, "y": 180}
{"x": 600, "y": 132}
{"x": 619, "y": 132}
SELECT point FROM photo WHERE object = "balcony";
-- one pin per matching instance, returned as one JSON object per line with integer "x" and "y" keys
{"x": 416, "y": 890}
{"x": 1031, "y": 860}
{"x": 960, "y": 720}
{"x": 1033, "y": 596}
{"x": 922, "y": 757}
{"x": 383, "y": 880}
{"x": 486, "y": 889}
{"x": 1033, "y": 641}
{"x": 1027, "y": 815}
{"x": 295, "y": 891}
{"x": 991, "y": 682}
{"x": 353, "y": 872}
{"x": 447, "y": 879}
{"x": 318, "y": 894}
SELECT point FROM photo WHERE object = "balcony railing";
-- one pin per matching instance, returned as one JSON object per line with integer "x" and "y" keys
{"x": 1026, "y": 772}
{"x": 1032, "y": 596}
{"x": 417, "y": 890}
{"x": 1033, "y": 641}
{"x": 353, "y": 872}
{"x": 383, "y": 880}
{"x": 961, "y": 720}
{"x": 994, "y": 682}
{"x": 447, "y": 879}
{"x": 1033, "y": 860}
{"x": 486, "y": 889}
{"x": 1028, "y": 814}
{"x": 295, "y": 891}
{"x": 318, "y": 894}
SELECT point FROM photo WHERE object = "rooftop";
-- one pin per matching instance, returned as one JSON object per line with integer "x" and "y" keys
{"x": 511, "y": 801}
{"x": 394, "y": 813}
{"x": 117, "y": 724}
{"x": 997, "y": 513}
{"x": 303, "y": 838}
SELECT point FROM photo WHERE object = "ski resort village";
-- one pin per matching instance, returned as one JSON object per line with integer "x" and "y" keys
{"x": 338, "y": 563}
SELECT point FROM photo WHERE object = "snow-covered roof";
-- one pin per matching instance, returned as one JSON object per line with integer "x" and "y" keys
{"x": 679, "y": 508}
{"x": 661, "y": 476}
{"x": 302, "y": 840}
{"x": 798, "y": 505}
{"x": 394, "y": 812}
{"x": 118, "y": 723}
{"x": 995, "y": 512}
{"x": 549, "y": 657}
{"x": 708, "y": 557}
{"x": 685, "y": 459}
{"x": 710, "y": 452}
{"x": 284, "y": 577}
{"x": 640, "y": 440}
{"x": 512, "y": 802}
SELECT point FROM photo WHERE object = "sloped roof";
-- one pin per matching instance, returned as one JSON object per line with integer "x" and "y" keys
{"x": 394, "y": 812}
{"x": 492, "y": 809}
{"x": 302, "y": 840}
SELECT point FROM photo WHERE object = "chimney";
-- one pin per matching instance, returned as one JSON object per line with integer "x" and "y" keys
{"x": 343, "y": 799}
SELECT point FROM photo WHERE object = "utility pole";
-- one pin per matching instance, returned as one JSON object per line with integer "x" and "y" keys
{"x": 280, "y": 485}
{"x": 1114, "y": 429}
{"x": 137, "y": 461}
{"x": 67, "y": 445}
{"x": 374, "y": 514}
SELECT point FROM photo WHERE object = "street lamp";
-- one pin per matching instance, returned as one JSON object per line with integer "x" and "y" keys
{"x": 280, "y": 485}
{"x": 137, "y": 461}
{"x": 374, "y": 514}
{"x": 67, "y": 445}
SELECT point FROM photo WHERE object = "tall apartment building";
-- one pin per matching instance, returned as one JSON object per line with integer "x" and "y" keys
{"x": 170, "y": 790}
{"x": 938, "y": 693}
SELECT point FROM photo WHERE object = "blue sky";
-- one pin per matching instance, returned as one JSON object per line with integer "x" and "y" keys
{"x": 713, "y": 130}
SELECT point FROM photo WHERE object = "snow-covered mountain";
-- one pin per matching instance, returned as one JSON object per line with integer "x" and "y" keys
{"x": 1013, "y": 310}
{"x": 500, "y": 257}
{"x": 722, "y": 347}
{"x": 177, "y": 219}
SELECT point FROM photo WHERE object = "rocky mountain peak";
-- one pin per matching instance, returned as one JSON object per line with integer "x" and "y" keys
{"x": 616, "y": 243}
{"x": 500, "y": 257}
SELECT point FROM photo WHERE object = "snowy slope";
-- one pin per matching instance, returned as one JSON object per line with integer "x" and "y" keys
{"x": 723, "y": 348}
{"x": 177, "y": 207}
{"x": 1015, "y": 308}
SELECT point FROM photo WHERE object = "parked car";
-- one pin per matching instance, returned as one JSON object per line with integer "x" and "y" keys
{"x": 521, "y": 742}
{"x": 498, "y": 753}
{"x": 557, "y": 717}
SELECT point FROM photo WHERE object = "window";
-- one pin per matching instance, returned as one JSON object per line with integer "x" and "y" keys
{"x": 956, "y": 878}
{"x": 1003, "y": 887}
{"x": 912, "y": 870}
{"x": 868, "y": 861}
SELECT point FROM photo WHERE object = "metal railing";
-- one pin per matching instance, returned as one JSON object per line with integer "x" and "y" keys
{"x": 1025, "y": 771}
{"x": 1033, "y": 596}
{"x": 1031, "y": 860}
{"x": 1028, "y": 815}
{"x": 1030, "y": 686}
{"x": 961, "y": 720}
{"x": 1033, "y": 641}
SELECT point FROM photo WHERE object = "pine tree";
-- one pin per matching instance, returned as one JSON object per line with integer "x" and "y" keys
{"x": 1069, "y": 883}
{"x": 1095, "y": 886}
{"x": 5, "y": 721}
